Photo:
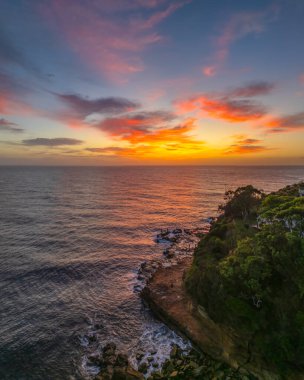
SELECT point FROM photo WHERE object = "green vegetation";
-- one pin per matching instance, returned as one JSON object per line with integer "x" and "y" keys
{"x": 248, "y": 272}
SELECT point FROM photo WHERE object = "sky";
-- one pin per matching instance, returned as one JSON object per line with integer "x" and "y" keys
{"x": 151, "y": 82}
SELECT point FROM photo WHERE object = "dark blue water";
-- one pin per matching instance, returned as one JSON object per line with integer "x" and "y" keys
{"x": 70, "y": 242}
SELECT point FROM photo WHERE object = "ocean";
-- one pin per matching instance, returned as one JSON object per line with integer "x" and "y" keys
{"x": 71, "y": 241}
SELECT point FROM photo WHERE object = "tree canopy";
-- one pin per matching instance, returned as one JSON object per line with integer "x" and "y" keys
{"x": 252, "y": 279}
{"x": 241, "y": 202}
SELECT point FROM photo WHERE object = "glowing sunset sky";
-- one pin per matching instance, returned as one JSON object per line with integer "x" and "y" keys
{"x": 123, "y": 82}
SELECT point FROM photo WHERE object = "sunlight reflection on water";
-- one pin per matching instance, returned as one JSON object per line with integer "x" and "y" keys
{"x": 71, "y": 240}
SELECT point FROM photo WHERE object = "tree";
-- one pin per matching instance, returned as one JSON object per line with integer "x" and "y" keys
{"x": 286, "y": 209}
{"x": 252, "y": 280}
{"x": 242, "y": 202}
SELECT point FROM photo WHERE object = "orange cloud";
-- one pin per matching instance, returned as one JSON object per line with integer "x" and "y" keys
{"x": 143, "y": 138}
{"x": 288, "y": 123}
{"x": 234, "y": 110}
{"x": 237, "y": 105}
{"x": 234, "y": 105}
{"x": 135, "y": 122}
{"x": 245, "y": 145}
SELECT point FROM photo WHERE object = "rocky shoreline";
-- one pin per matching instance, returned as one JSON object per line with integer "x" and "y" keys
{"x": 226, "y": 346}
{"x": 159, "y": 283}
{"x": 161, "y": 287}
{"x": 166, "y": 297}
{"x": 177, "y": 245}
{"x": 220, "y": 346}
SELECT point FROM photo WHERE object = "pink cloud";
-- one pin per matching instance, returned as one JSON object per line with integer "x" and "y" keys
{"x": 11, "y": 95}
{"x": 106, "y": 39}
{"x": 301, "y": 78}
{"x": 11, "y": 104}
{"x": 209, "y": 71}
{"x": 239, "y": 26}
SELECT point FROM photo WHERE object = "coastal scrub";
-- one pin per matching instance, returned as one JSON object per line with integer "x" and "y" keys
{"x": 248, "y": 273}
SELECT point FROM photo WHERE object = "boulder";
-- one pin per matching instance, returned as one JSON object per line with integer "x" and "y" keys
{"x": 143, "y": 367}
{"x": 121, "y": 360}
{"x": 92, "y": 338}
{"x": 109, "y": 360}
{"x": 139, "y": 356}
{"x": 175, "y": 351}
{"x": 109, "y": 349}
{"x": 119, "y": 373}
{"x": 95, "y": 359}
{"x": 132, "y": 374}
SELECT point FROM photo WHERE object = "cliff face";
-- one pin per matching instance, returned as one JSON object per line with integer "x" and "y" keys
{"x": 248, "y": 277}
{"x": 241, "y": 298}
{"x": 167, "y": 297}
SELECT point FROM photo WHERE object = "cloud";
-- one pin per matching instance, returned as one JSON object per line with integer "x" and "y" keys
{"x": 78, "y": 108}
{"x": 134, "y": 123}
{"x": 150, "y": 134}
{"x": 82, "y": 107}
{"x": 301, "y": 78}
{"x": 105, "y": 150}
{"x": 10, "y": 55}
{"x": 209, "y": 71}
{"x": 231, "y": 106}
{"x": 7, "y": 90}
{"x": 239, "y": 26}
{"x": 231, "y": 110}
{"x": 288, "y": 123}
{"x": 245, "y": 145}
{"x": 53, "y": 142}
{"x": 252, "y": 89}
{"x": 8, "y": 126}
{"x": 159, "y": 16}
{"x": 112, "y": 151}
{"x": 12, "y": 95}
{"x": 109, "y": 38}
{"x": 123, "y": 5}
{"x": 236, "y": 106}
{"x": 137, "y": 127}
